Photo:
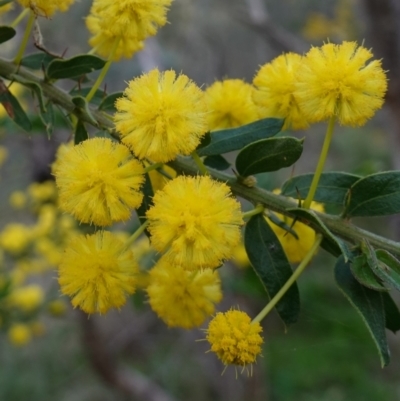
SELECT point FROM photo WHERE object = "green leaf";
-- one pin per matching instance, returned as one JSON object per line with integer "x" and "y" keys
{"x": 108, "y": 104}
{"x": 13, "y": 108}
{"x": 363, "y": 273}
{"x": 97, "y": 98}
{"x": 271, "y": 265}
{"x": 82, "y": 104}
{"x": 332, "y": 186}
{"x": 232, "y": 139}
{"x": 330, "y": 242}
{"x": 374, "y": 195}
{"x": 387, "y": 267}
{"x": 392, "y": 313}
{"x": 217, "y": 162}
{"x": 74, "y": 67}
{"x": 37, "y": 61}
{"x": 81, "y": 133}
{"x": 48, "y": 118}
{"x": 6, "y": 33}
{"x": 148, "y": 192}
{"x": 268, "y": 155}
{"x": 368, "y": 304}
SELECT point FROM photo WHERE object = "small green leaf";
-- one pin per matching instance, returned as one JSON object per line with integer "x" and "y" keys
{"x": 332, "y": 186}
{"x": 82, "y": 104}
{"x": 108, "y": 104}
{"x": 74, "y": 67}
{"x": 97, "y": 98}
{"x": 392, "y": 313}
{"x": 271, "y": 265}
{"x": 374, "y": 195}
{"x": 228, "y": 140}
{"x": 268, "y": 155}
{"x": 330, "y": 242}
{"x": 368, "y": 304}
{"x": 48, "y": 118}
{"x": 13, "y": 108}
{"x": 81, "y": 133}
{"x": 6, "y": 33}
{"x": 363, "y": 273}
{"x": 37, "y": 61}
{"x": 387, "y": 267}
{"x": 148, "y": 192}
{"x": 217, "y": 162}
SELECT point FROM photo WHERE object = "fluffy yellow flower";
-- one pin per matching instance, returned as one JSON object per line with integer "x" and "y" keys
{"x": 183, "y": 298}
{"x": 158, "y": 180}
{"x": 18, "y": 200}
{"x": 275, "y": 82}
{"x": 161, "y": 115}
{"x": 99, "y": 181}
{"x": 129, "y": 21}
{"x": 97, "y": 272}
{"x": 27, "y": 298}
{"x": 338, "y": 80}
{"x": 296, "y": 249}
{"x": 19, "y": 334}
{"x": 57, "y": 308}
{"x": 230, "y": 104}
{"x": 195, "y": 221}
{"x": 234, "y": 338}
{"x": 46, "y": 8}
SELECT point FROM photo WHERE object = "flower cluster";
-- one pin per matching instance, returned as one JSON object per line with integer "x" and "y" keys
{"x": 46, "y": 8}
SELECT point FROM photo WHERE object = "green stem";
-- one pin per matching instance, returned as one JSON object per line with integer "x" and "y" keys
{"x": 257, "y": 210}
{"x": 136, "y": 234}
{"x": 296, "y": 274}
{"x": 321, "y": 163}
{"x": 25, "y": 39}
{"x": 20, "y": 17}
{"x": 199, "y": 163}
{"x": 152, "y": 167}
{"x": 103, "y": 72}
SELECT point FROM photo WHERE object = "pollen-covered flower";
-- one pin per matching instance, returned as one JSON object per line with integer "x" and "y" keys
{"x": 183, "y": 298}
{"x": 296, "y": 248}
{"x": 27, "y": 298}
{"x": 338, "y": 80}
{"x": 99, "y": 181}
{"x": 97, "y": 272}
{"x": 230, "y": 104}
{"x": 161, "y": 115}
{"x": 234, "y": 338}
{"x": 19, "y": 334}
{"x": 195, "y": 221}
{"x": 46, "y": 8}
{"x": 15, "y": 238}
{"x": 128, "y": 21}
{"x": 275, "y": 82}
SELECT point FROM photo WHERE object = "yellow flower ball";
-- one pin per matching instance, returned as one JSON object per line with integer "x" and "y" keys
{"x": 338, "y": 80}
{"x": 46, "y": 8}
{"x": 99, "y": 181}
{"x": 275, "y": 94}
{"x": 161, "y": 115}
{"x": 19, "y": 334}
{"x": 234, "y": 338}
{"x": 195, "y": 222}
{"x": 15, "y": 238}
{"x": 230, "y": 104}
{"x": 97, "y": 272}
{"x": 26, "y": 298}
{"x": 57, "y": 308}
{"x": 183, "y": 298}
{"x": 18, "y": 200}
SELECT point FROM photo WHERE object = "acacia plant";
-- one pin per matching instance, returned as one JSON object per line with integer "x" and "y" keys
{"x": 157, "y": 150}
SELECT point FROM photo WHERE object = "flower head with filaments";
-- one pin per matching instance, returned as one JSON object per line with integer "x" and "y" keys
{"x": 99, "y": 181}
{"x": 161, "y": 115}
{"x": 230, "y": 104}
{"x": 97, "y": 272}
{"x": 338, "y": 80}
{"x": 275, "y": 82}
{"x": 195, "y": 221}
{"x": 183, "y": 298}
{"x": 234, "y": 338}
{"x": 46, "y": 8}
